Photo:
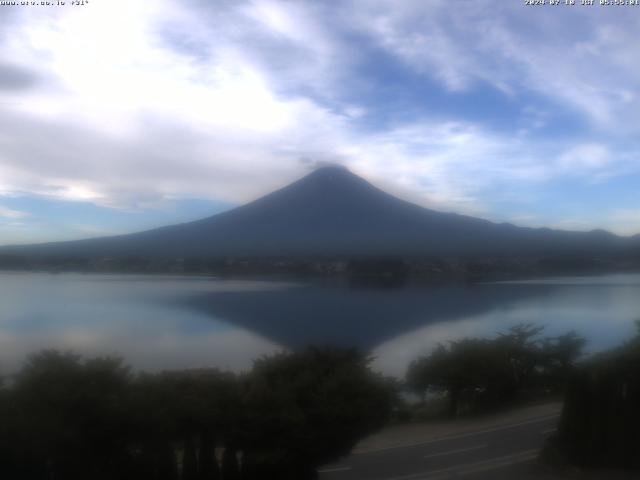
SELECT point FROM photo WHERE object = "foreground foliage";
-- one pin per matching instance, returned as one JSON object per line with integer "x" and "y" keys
{"x": 600, "y": 423}
{"x": 477, "y": 374}
{"x": 67, "y": 418}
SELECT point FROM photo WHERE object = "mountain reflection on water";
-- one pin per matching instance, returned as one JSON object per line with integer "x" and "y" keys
{"x": 165, "y": 322}
{"x": 363, "y": 317}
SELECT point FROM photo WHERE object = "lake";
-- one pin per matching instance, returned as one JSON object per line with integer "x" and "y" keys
{"x": 168, "y": 322}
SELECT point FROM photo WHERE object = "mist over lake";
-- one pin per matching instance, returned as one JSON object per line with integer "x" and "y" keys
{"x": 172, "y": 322}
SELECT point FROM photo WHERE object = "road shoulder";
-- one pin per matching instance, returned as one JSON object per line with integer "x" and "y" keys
{"x": 406, "y": 435}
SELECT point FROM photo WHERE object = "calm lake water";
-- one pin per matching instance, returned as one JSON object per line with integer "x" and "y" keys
{"x": 165, "y": 322}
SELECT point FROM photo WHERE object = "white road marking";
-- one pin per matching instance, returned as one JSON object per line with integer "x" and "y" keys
{"x": 332, "y": 470}
{"x": 462, "y": 435}
{"x": 453, "y": 452}
{"x": 482, "y": 466}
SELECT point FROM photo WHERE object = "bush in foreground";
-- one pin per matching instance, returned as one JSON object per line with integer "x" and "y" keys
{"x": 600, "y": 423}
{"x": 67, "y": 418}
{"x": 478, "y": 374}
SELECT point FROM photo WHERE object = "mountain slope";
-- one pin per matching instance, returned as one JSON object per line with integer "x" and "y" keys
{"x": 332, "y": 212}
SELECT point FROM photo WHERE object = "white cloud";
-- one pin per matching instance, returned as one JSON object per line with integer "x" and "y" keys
{"x": 586, "y": 157}
{"x": 128, "y": 133}
{"x": 574, "y": 56}
{"x": 136, "y": 102}
{"x": 11, "y": 214}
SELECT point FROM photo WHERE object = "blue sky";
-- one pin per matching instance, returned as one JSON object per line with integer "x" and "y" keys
{"x": 123, "y": 115}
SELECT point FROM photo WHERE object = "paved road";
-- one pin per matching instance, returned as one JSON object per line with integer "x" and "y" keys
{"x": 500, "y": 452}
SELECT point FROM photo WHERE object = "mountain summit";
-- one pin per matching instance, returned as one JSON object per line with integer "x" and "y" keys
{"x": 332, "y": 212}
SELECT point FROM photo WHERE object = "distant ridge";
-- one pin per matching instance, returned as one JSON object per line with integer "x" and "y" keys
{"x": 333, "y": 213}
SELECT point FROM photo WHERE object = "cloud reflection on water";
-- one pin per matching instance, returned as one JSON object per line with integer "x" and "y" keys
{"x": 179, "y": 322}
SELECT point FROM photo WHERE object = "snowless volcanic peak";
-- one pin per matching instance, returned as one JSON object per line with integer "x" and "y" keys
{"x": 333, "y": 212}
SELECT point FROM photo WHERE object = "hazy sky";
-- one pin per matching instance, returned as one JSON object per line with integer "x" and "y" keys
{"x": 125, "y": 114}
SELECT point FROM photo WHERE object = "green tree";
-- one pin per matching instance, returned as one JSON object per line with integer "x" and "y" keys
{"x": 69, "y": 418}
{"x": 600, "y": 422}
{"x": 71, "y": 414}
{"x": 559, "y": 357}
{"x": 485, "y": 373}
{"x": 311, "y": 407}
{"x": 466, "y": 370}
